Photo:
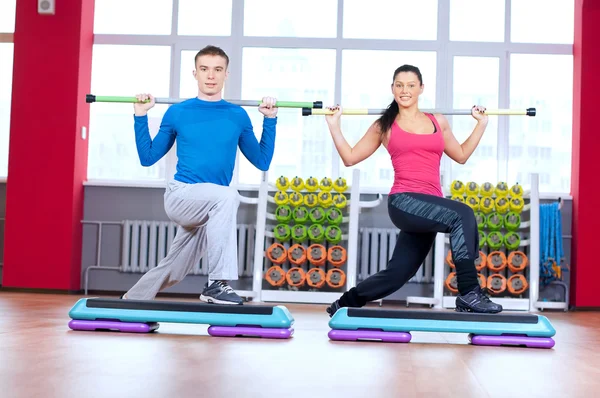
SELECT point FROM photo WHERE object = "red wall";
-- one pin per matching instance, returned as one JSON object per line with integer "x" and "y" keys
{"x": 48, "y": 158}
{"x": 586, "y": 149}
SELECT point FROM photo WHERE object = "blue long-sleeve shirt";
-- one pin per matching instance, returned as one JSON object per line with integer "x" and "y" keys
{"x": 208, "y": 134}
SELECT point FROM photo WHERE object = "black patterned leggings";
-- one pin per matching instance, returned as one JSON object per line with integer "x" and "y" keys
{"x": 420, "y": 217}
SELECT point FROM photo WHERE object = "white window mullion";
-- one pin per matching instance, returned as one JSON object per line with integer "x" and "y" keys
{"x": 234, "y": 81}
{"x": 171, "y": 157}
{"x": 503, "y": 121}
{"x": 337, "y": 96}
{"x": 444, "y": 83}
{"x": 504, "y": 102}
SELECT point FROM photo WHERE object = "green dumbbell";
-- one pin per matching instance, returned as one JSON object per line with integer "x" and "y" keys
{"x": 480, "y": 218}
{"x": 299, "y": 233}
{"x": 317, "y": 215}
{"x": 300, "y": 215}
{"x": 283, "y": 213}
{"x": 495, "y": 240}
{"x": 495, "y": 221}
{"x": 512, "y": 221}
{"x": 512, "y": 240}
{"x": 482, "y": 239}
{"x": 316, "y": 233}
{"x": 333, "y": 234}
{"x": 282, "y": 232}
{"x": 334, "y": 216}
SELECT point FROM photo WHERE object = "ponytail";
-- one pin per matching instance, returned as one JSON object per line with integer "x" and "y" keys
{"x": 387, "y": 119}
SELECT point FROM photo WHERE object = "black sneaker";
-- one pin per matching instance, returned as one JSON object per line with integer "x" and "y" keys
{"x": 477, "y": 301}
{"x": 332, "y": 309}
{"x": 220, "y": 293}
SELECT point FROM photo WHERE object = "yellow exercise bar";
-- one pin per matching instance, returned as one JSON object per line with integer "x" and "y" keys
{"x": 367, "y": 111}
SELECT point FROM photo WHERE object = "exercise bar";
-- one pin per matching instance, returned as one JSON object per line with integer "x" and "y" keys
{"x": 366, "y": 111}
{"x": 89, "y": 98}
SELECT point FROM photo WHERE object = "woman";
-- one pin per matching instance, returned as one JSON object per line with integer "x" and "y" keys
{"x": 416, "y": 205}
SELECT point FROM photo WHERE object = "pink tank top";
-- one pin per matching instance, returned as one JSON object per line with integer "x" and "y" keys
{"x": 416, "y": 160}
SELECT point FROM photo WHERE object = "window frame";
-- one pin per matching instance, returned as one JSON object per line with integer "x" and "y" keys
{"x": 445, "y": 48}
{"x": 6, "y": 38}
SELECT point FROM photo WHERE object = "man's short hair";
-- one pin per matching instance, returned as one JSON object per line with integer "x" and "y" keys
{"x": 211, "y": 50}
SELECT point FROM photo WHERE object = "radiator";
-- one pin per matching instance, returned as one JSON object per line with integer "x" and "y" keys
{"x": 146, "y": 243}
{"x": 376, "y": 246}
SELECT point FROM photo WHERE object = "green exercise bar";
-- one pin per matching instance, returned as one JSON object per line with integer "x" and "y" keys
{"x": 89, "y": 98}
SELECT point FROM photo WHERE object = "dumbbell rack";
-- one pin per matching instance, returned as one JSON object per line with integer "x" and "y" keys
{"x": 531, "y": 229}
{"x": 264, "y": 238}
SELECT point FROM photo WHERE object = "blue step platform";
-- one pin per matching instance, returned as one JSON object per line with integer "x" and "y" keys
{"x": 181, "y": 312}
{"x": 442, "y": 321}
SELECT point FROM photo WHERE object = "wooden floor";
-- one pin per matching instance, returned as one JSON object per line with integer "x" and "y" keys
{"x": 41, "y": 357}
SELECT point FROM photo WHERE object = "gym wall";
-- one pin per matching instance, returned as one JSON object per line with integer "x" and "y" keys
{"x": 147, "y": 204}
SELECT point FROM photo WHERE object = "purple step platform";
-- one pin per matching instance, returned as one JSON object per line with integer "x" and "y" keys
{"x": 249, "y": 331}
{"x": 363, "y": 334}
{"x": 128, "y": 327}
{"x": 510, "y": 340}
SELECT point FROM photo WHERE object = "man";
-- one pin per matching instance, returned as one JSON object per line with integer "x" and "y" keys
{"x": 208, "y": 130}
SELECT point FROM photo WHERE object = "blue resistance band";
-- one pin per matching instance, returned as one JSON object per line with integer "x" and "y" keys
{"x": 551, "y": 246}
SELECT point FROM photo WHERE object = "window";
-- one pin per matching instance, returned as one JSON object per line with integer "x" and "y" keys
{"x": 366, "y": 82}
{"x": 391, "y": 20}
{"x": 217, "y": 24}
{"x": 554, "y": 21}
{"x": 515, "y": 151}
{"x": 475, "y": 82}
{"x": 188, "y": 85}
{"x": 347, "y": 53}
{"x": 548, "y": 134}
{"x": 7, "y": 16}
{"x": 112, "y": 150}
{"x": 134, "y": 17}
{"x": 303, "y": 144}
{"x": 6, "y": 72}
{"x": 290, "y": 19}
{"x": 467, "y": 24}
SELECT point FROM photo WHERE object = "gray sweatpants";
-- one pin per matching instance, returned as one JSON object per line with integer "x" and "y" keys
{"x": 206, "y": 214}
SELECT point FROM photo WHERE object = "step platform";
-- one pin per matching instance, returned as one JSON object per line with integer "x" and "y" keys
{"x": 357, "y": 324}
{"x": 113, "y": 326}
{"x": 249, "y": 331}
{"x": 137, "y": 316}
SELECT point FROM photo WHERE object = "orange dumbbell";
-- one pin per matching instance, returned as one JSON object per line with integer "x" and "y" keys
{"x": 295, "y": 277}
{"x": 517, "y": 284}
{"x": 336, "y": 255}
{"x": 449, "y": 259}
{"x": 276, "y": 253}
{"x": 482, "y": 280}
{"x": 496, "y": 283}
{"x": 480, "y": 261}
{"x": 317, "y": 254}
{"x": 297, "y": 254}
{"x": 315, "y": 277}
{"x": 335, "y": 278}
{"x": 496, "y": 261}
{"x": 451, "y": 283}
{"x": 517, "y": 261}
{"x": 275, "y": 276}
